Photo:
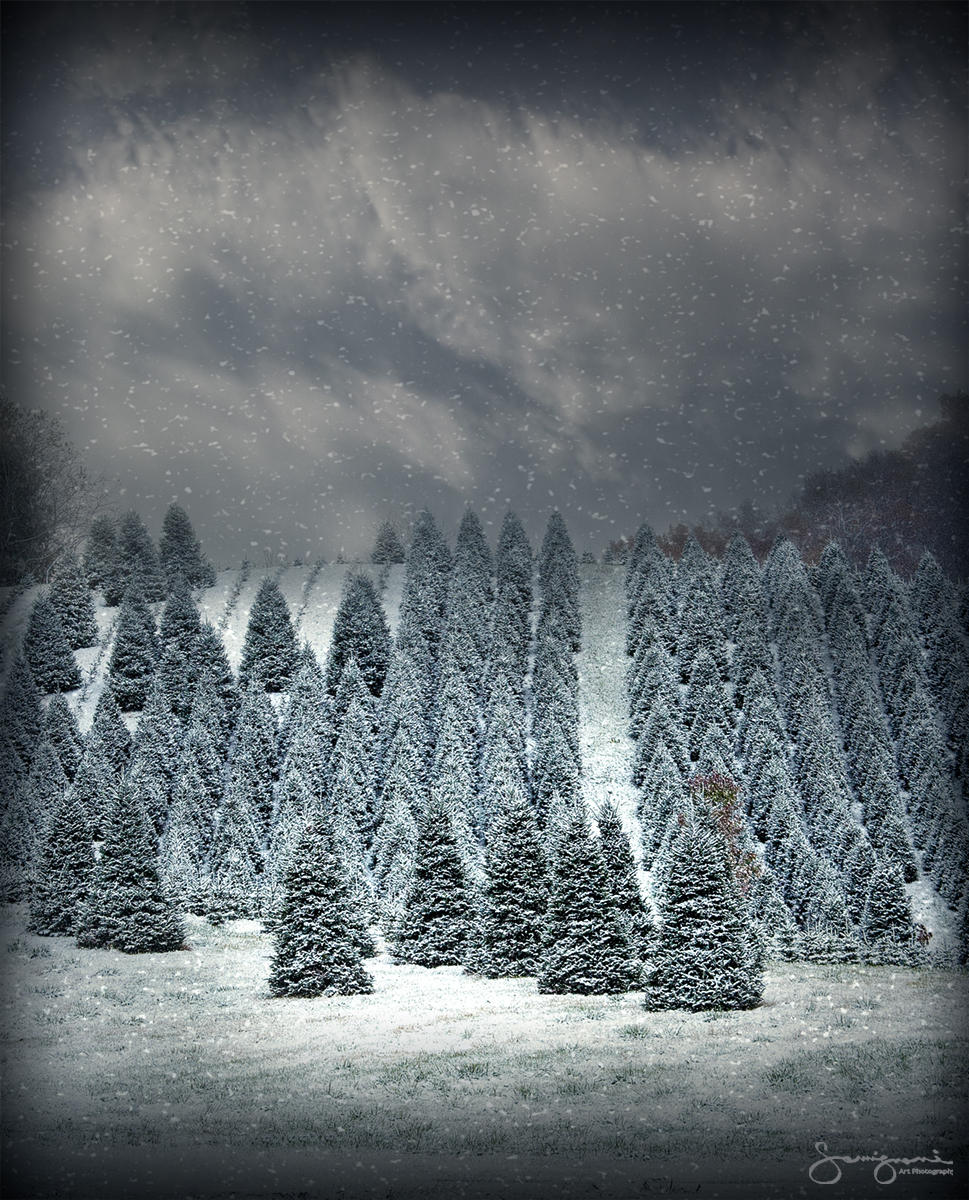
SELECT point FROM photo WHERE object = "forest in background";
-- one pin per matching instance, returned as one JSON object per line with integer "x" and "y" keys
{"x": 905, "y": 502}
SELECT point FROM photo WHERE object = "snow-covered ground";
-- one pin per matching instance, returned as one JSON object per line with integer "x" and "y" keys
{"x": 178, "y": 1075}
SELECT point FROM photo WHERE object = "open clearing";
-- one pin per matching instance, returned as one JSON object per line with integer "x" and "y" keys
{"x": 178, "y": 1075}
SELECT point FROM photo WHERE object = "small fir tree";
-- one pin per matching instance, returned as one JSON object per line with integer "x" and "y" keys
{"x": 108, "y": 734}
{"x": 21, "y": 720}
{"x": 127, "y": 908}
{"x": 63, "y": 867}
{"x": 584, "y": 946}
{"x": 180, "y": 551}
{"x": 434, "y": 927}
{"x": 360, "y": 632}
{"x": 270, "y": 651}
{"x": 315, "y": 951}
{"x": 387, "y": 547}
{"x": 61, "y": 730}
{"x": 508, "y": 938}
{"x": 48, "y": 651}
{"x": 71, "y": 597}
{"x": 135, "y": 653}
{"x": 623, "y": 885}
{"x": 101, "y": 552}
{"x": 704, "y": 957}
{"x": 887, "y": 926}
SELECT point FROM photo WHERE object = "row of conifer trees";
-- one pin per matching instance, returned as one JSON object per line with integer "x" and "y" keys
{"x": 441, "y": 768}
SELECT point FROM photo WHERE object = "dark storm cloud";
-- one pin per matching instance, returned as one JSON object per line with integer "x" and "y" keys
{"x": 303, "y": 292}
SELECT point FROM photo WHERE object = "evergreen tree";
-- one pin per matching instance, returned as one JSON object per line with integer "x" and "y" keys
{"x": 131, "y": 668}
{"x": 180, "y": 551}
{"x": 511, "y": 624}
{"x": 216, "y": 674}
{"x": 662, "y": 725}
{"x": 558, "y": 579}
{"x": 704, "y": 957}
{"x": 360, "y": 632}
{"x": 886, "y": 923}
{"x": 859, "y": 866}
{"x": 315, "y": 953}
{"x": 235, "y": 861}
{"x": 662, "y": 794}
{"x": 135, "y": 564}
{"x": 179, "y": 660}
{"x": 700, "y": 618}
{"x": 387, "y": 547}
{"x": 92, "y": 786}
{"x": 254, "y": 764}
{"x": 127, "y": 907}
{"x": 306, "y": 697}
{"x": 393, "y": 855}
{"x": 155, "y": 754}
{"x": 622, "y": 882}
{"x": 584, "y": 946}
{"x": 71, "y": 597}
{"x": 21, "y": 720}
{"x": 61, "y": 730}
{"x": 108, "y": 734}
{"x": 423, "y": 599}
{"x": 352, "y": 782}
{"x": 434, "y": 927}
{"x": 514, "y": 896}
{"x": 269, "y": 651}
{"x": 741, "y": 595}
{"x": 468, "y": 612}
{"x": 24, "y": 816}
{"x": 48, "y": 652}
{"x": 63, "y": 867}
{"x": 101, "y": 552}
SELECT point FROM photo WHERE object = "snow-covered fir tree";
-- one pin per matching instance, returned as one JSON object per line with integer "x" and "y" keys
{"x": 48, "y": 651}
{"x": 108, "y": 735}
{"x": 136, "y": 563}
{"x": 134, "y": 655}
{"x": 704, "y": 956}
{"x": 511, "y": 623}
{"x": 887, "y": 927}
{"x": 127, "y": 907}
{"x": 179, "y": 660}
{"x": 360, "y": 632}
{"x": 21, "y": 720}
{"x": 180, "y": 551}
{"x": 508, "y": 933}
{"x": 23, "y": 817}
{"x": 101, "y": 552}
{"x": 622, "y": 882}
{"x": 71, "y": 597}
{"x": 253, "y": 769}
{"x": 315, "y": 952}
{"x": 61, "y": 730}
{"x": 437, "y": 910}
{"x": 63, "y": 867}
{"x": 585, "y": 948}
{"x": 387, "y": 547}
{"x": 269, "y": 652}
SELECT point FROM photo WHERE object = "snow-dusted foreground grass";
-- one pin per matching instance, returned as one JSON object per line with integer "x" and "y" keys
{"x": 178, "y": 1075}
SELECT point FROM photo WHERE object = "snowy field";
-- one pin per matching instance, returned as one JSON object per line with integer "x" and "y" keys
{"x": 178, "y": 1075}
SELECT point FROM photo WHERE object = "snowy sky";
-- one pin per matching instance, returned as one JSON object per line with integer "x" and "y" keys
{"x": 304, "y": 267}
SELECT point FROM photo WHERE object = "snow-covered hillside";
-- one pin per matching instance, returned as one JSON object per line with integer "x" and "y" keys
{"x": 313, "y": 594}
